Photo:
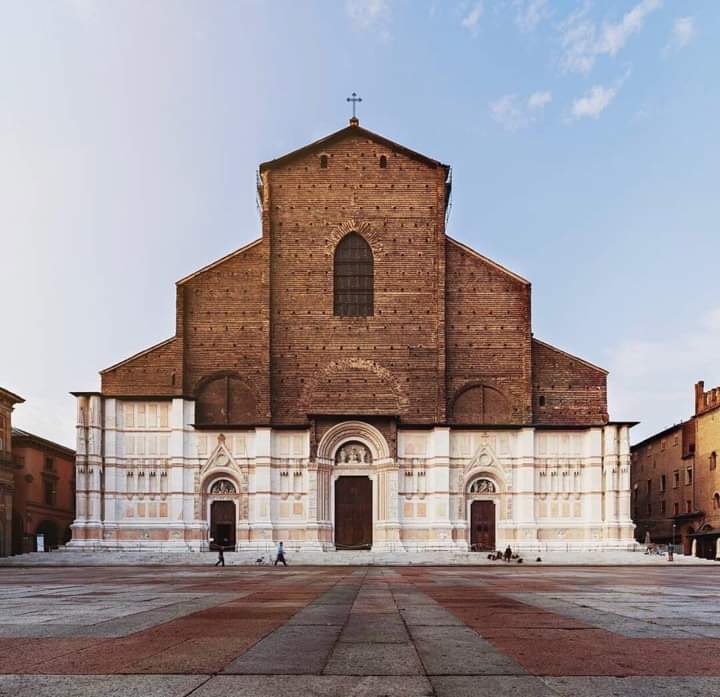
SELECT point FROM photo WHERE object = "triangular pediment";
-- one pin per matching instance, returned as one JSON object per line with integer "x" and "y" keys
{"x": 351, "y": 131}
{"x": 220, "y": 458}
{"x": 484, "y": 458}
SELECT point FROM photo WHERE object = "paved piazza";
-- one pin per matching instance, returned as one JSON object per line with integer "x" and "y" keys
{"x": 327, "y": 631}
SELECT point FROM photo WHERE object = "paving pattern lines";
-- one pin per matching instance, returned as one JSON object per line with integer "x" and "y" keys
{"x": 397, "y": 632}
{"x": 196, "y": 641}
{"x": 564, "y": 639}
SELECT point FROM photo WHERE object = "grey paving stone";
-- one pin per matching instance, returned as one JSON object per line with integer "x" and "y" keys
{"x": 433, "y": 616}
{"x": 315, "y": 686}
{"x": 288, "y": 650}
{"x": 490, "y": 686}
{"x": 373, "y": 659}
{"x": 375, "y": 628}
{"x": 321, "y": 615}
{"x": 99, "y": 685}
{"x": 635, "y": 686}
{"x": 460, "y": 651}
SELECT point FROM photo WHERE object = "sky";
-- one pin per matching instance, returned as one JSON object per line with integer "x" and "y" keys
{"x": 582, "y": 136}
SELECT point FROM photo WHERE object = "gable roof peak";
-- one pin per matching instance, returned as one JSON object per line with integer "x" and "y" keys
{"x": 352, "y": 129}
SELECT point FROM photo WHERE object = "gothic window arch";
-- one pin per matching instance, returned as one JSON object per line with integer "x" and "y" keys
{"x": 353, "y": 276}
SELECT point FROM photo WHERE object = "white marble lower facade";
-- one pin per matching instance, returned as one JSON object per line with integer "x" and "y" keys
{"x": 146, "y": 479}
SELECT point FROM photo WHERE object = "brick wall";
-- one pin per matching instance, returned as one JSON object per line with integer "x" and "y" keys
{"x": 156, "y": 371}
{"x": 224, "y": 326}
{"x": 256, "y": 334}
{"x": 707, "y": 425}
{"x": 566, "y": 389}
{"x": 488, "y": 340}
{"x": 657, "y": 457}
{"x": 392, "y": 361}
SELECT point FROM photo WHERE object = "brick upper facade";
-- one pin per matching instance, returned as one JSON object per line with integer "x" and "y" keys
{"x": 449, "y": 339}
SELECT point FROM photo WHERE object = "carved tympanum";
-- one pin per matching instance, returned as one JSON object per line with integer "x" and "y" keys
{"x": 223, "y": 486}
{"x": 353, "y": 453}
{"x": 482, "y": 486}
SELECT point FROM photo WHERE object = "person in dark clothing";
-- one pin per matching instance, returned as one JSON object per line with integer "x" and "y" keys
{"x": 508, "y": 553}
{"x": 221, "y": 554}
{"x": 280, "y": 554}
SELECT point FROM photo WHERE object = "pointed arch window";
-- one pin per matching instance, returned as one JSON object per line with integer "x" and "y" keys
{"x": 353, "y": 277}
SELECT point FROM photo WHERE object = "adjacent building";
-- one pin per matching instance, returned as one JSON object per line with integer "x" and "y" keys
{"x": 676, "y": 484}
{"x": 44, "y": 497}
{"x": 707, "y": 481}
{"x": 8, "y": 400}
{"x": 355, "y": 378}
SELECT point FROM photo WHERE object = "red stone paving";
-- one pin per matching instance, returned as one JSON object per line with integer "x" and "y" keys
{"x": 543, "y": 642}
{"x": 548, "y": 644}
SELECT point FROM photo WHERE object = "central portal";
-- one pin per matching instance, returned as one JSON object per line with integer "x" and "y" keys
{"x": 353, "y": 513}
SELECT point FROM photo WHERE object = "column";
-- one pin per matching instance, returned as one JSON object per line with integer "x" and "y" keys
{"x": 523, "y": 492}
{"x": 111, "y": 479}
{"x": 80, "y": 522}
{"x": 439, "y": 491}
{"x": 592, "y": 486}
{"x": 261, "y": 526}
{"x": 95, "y": 466}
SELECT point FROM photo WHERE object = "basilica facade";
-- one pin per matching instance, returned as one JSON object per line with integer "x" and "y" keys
{"x": 353, "y": 379}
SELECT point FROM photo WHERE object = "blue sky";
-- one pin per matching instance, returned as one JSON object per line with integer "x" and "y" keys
{"x": 583, "y": 140}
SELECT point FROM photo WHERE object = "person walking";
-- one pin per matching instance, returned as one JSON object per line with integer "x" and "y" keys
{"x": 508, "y": 553}
{"x": 280, "y": 554}
{"x": 221, "y": 556}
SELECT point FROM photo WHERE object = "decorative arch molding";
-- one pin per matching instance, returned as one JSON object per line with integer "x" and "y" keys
{"x": 217, "y": 484}
{"x": 357, "y": 431}
{"x": 335, "y": 368}
{"x": 371, "y": 235}
{"x": 482, "y": 485}
{"x": 493, "y": 476}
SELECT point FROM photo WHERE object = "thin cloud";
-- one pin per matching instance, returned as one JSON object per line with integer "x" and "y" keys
{"x": 582, "y": 41}
{"x": 471, "y": 20}
{"x": 593, "y": 102}
{"x": 370, "y": 15}
{"x": 539, "y": 100}
{"x": 683, "y": 32}
{"x": 530, "y": 13}
{"x": 513, "y": 112}
{"x": 596, "y": 100}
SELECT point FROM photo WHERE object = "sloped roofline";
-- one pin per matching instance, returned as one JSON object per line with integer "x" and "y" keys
{"x": 217, "y": 262}
{"x": 492, "y": 263}
{"x": 20, "y": 433}
{"x": 11, "y": 396}
{"x": 137, "y": 355}
{"x": 352, "y": 129}
{"x": 570, "y": 355}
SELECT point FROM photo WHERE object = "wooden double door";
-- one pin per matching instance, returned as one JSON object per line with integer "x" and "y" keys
{"x": 353, "y": 513}
{"x": 482, "y": 525}
{"x": 222, "y": 524}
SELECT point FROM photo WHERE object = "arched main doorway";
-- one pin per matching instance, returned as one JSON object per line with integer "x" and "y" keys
{"x": 482, "y": 514}
{"x": 222, "y": 524}
{"x": 223, "y": 514}
{"x": 353, "y": 512}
